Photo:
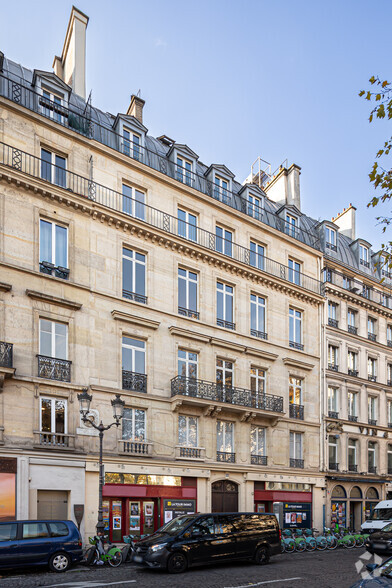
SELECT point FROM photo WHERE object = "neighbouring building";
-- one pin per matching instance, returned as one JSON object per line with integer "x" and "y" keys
{"x": 129, "y": 266}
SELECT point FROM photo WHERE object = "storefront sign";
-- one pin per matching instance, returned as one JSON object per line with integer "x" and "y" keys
{"x": 297, "y": 515}
{"x": 176, "y": 508}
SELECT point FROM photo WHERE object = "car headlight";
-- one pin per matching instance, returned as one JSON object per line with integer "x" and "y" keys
{"x": 155, "y": 548}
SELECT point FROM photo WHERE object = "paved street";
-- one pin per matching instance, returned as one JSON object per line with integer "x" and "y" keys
{"x": 330, "y": 569}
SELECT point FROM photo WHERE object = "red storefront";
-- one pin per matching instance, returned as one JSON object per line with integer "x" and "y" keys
{"x": 297, "y": 504}
{"x": 142, "y": 508}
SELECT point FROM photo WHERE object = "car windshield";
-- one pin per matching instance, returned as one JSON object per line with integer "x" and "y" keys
{"x": 387, "y": 529}
{"x": 380, "y": 514}
{"x": 177, "y": 525}
{"x": 386, "y": 569}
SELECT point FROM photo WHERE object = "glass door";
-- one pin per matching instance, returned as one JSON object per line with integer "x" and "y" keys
{"x": 117, "y": 530}
{"x": 148, "y": 517}
{"x": 135, "y": 515}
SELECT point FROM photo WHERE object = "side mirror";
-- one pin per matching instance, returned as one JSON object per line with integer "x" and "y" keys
{"x": 371, "y": 567}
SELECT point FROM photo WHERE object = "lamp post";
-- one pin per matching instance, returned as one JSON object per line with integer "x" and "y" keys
{"x": 118, "y": 410}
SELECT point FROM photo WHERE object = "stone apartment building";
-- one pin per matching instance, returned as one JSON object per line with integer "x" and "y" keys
{"x": 129, "y": 266}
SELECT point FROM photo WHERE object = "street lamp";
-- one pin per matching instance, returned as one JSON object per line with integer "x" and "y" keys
{"x": 118, "y": 411}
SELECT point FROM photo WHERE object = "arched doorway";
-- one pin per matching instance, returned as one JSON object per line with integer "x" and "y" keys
{"x": 224, "y": 496}
{"x": 338, "y": 506}
{"x": 355, "y": 508}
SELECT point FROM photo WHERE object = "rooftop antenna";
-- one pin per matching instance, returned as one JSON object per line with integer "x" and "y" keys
{"x": 88, "y": 103}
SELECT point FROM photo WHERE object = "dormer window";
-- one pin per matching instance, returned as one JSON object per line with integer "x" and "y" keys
{"x": 131, "y": 144}
{"x": 184, "y": 171}
{"x": 52, "y": 105}
{"x": 291, "y": 225}
{"x": 330, "y": 238}
{"x": 364, "y": 256}
{"x": 221, "y": 189}
{"x": 255, "y": 206}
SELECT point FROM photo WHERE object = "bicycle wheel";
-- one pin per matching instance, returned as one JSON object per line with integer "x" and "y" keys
{"x": 115, "y": 560}
{"x": 300, "y": 546}
{"x": 349, "y": 543}
{"x": 359, "y": 541}
{"x": 332, "y": 542}
{"x": 311, "y": 544}
{"x": 289, "y": 546}
{"x": 321, "y": 543}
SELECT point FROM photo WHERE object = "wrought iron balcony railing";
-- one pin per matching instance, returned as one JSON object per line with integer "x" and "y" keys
{"x": 333, "y": 466}
{"x": 359, "y": 288}
{"x": 333, "y": 366}
{"x": 31, "y": 165}
{"x": 256, "y": 459}
{"x": 352, "y": 467}
{"x": 297, "y": 411}
{"x": 296, "y": 463}
{"x": 372, "y": 422}
{"x": 389, "y": 470}
{"x": 333, "y": 415}
{"x": 331, "y": 246}
{"x": 45, "y": 267}
{"x": 54, "y": 440}
{"x": 389, "y": 343}
{"x": 372, "y": 378}
{"x": 133, "y": 447}
{"x": 372, "y": 337}
{"x": 225, "y": 456}
{"x": 53, "y": 368}
{"x": 225, "y": 324}
{"x": 189, "y": 313}
{"x": 80, "y": 121}
{"x": 134, "y": 381}
{"x": 259, "y": 334}
{"x": 134, "y": 296}
{"x": 353, "y": 418}
{"x": 352, "y": 330}
{"x": 372, "y": 469}
{"x": 296, "y": 345}
{"x": 352, "y": 372}
{"x": 6, "y": 351}
{"x": 333, "y": 323}
{"x": 389, "y": 383}
{"x": 389, "y": 425}
{"x": 212, "y": 391}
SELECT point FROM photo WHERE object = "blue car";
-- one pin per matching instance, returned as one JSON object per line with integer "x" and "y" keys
{"x": 56, "y": 544}
{"x": 379, "y": 576}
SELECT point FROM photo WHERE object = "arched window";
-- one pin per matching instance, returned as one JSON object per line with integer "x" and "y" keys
{"x": 355, "y": 492}
{"x": 371, "y": 494}
{"x": 339, "y": 492}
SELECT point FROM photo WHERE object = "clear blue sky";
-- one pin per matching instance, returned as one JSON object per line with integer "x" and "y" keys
{"x": 236, "y": 79}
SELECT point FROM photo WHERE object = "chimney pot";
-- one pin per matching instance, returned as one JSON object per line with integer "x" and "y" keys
{"x": 136, "y": 108}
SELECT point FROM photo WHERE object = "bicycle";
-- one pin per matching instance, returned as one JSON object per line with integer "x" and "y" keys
{"x": 97, "y": 555}
{"x": 330, "y": 538}
{"x": 321, "y": 542}
{"x": 288, "y": 543}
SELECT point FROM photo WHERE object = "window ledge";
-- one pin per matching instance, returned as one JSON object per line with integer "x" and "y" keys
{"x": 134, "y": 320}
{"x": 64, "y": 302}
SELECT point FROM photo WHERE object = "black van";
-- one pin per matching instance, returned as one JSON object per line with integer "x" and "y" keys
{"x": 203, "y": 539}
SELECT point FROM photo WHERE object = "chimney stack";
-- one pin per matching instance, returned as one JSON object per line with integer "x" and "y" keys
{"x": 346, "y": 221}
{"x": 71, "y": 66}
{"x": 284, "y": 187}
{"x": 136, "y": 108}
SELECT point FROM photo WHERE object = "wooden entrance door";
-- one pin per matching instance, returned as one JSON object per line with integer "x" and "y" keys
{"x": 224, "y": 496}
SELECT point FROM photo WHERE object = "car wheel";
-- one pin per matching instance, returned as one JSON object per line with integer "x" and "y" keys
{"x": 262, "y": 555}
{"x": 177, "y": 563}
{"x": 60, "y": 562}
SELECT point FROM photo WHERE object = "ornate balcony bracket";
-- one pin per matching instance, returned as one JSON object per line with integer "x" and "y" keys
{"x": 176, "y": 405}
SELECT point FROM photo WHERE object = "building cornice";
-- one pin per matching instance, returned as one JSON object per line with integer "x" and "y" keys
{"x": 134, "y": 319}
{"x": 358, "y": 300}
{"x": 64, "y": 302}
{"x": 298, "y": 364}
{"x": 5, "y": 287}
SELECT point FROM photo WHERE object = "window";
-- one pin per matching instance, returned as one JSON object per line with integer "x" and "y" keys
{"x": 225, "y": 305}
{"x": 131, "y": 144}
{"x": 371, "y": 328}
{"x": 389, "y": 335}
{"x": 295, "y": 329}
{"x": 254, "y": 207}
{"x": 296, "y": 443}
{"x": 187, "y": 293}
{"x": 53, "y": 168}
{"x": 221, "y": 189}
{"x": 256, "y": 256}
{"x": 333, "y": 362}
{"x": 224, "y": 437}
{"x": 257, "y": 440}
{"x": 294, "y": 272}
{"x": 330, "y": 238}
{"x": 52, "y": 105}
{"x": 372, "y": 410}
{"x": 333, "y": 314}
{"x": 134, "y": 275}
{"x": 134, "y": 424}
{"x": 346, "y": 282}
{"x": 389, "y": 374}
{"x": 372, "y": 447}
{"x": 295, "y": 390}
{"x": 291, "y": 225}
{"x": 372, "y": 369}
{"x": 133, "y": 355}
{"x": 58, "y": 529}
{"x": 53, "y": 249}
{"x": 8, "y": 532}
{"x": 224, "y": 379}
{"x": 352, "y": 362}
{"x": 187, "y": 431}
{"x": 187, "y": 225}
{"x": 364, "y": 255}
{"x": 351, "y": 320}
{"x": 257, "y": 316}
{"x": 352, "y": 455}
{"x": 133, "y": 202}
{"x": 184, "y": 171}
{"x": 258, "y": 386}
{"x": 332, "y": 452}
{"x": 223, "y": 241}
{"x": 187, "y": 364}
{"x": 333, "y": 407}
{"x": 352, "y": 405}
{"x": 53, "y": 339}
{"x": 34, "y": 530}
{"x": 366, "y": 291}
{"x": 385, "y": 299}
{"x": 53, "y": 415}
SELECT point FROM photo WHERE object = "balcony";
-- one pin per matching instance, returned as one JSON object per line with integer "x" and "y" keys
{"x": 190, "y": 453}
{"x": 353, "y": 418}
{"x": 389, "y": 343}
{"x": 135, "y": 297}
{"x": 53, "y": 368}
{"x": 296, "y": 463}
{"x": 389, "y": 471}
{"x": 189, "y": 313}
{"x": 352, "y": 467}
{"x": 330, "y": 246}
{"x": 134, "y": 381}
{"x": 258, "y": 459}
{"x": 225, "y": 456}
{"x": 131, "y": 447}
{"x": 333, "y": 415}
{"x": 372, "y": 422}
{"x": 225, "y": 324}
{"x": 296, "y": 411}
{"x": 372, "y": 469}
{"x": 333, "y": 466}
{"x": 296, "y": 345}
{"x": 45, "y": 267}
{"x": 259, "y": 334}
{"x": 389, "y": 425}
{"x": 51, "y": 440}
{"x": 333, "y": 367}
{"x": 352, "y": 330}
{"x": 372, "y": 378}
{"x": 211, "y": 392}
{"x": 333, "y": 323}
{"x": 6, "y": 351}
{"x": 352, "y": 372}
{"x": 372, "y": 337}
